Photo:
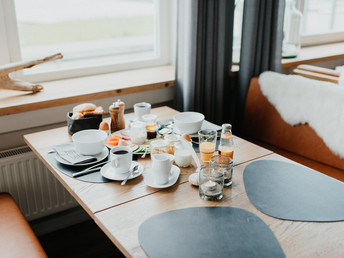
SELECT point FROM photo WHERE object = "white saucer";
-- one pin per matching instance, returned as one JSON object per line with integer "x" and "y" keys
{"x": 99, "y": 157}
{"x": 108, "y": 172}
{"x": 149, "y": 180}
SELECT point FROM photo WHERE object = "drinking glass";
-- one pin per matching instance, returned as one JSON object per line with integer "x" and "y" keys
{"x": 207, "y": 143}
{"x": 211, "y": 183}
{"x": 225, "y": 163}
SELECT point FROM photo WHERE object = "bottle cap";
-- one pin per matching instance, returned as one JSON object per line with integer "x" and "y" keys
{"x": 118, "y": 103}
{"x": 227, "y": 126}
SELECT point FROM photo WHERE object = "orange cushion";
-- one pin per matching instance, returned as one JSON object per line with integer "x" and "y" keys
{"x": 263, "y": 123}
{"x": 16, "y": 236}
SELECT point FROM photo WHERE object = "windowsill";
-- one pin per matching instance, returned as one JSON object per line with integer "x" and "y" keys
{"x": 69, "y": 91}
{"x": 314, "y": 54}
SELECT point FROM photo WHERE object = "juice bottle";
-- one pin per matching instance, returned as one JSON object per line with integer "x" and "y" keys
{"x": 226, "y": 146}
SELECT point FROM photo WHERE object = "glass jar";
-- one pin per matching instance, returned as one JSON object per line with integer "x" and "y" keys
{"x": 158, "y": 146}
{"x": 172, "y": 140}
{"x": 182, "y": 156}
{"x": 151, "y": 127}
{"x": 137, "y": 133}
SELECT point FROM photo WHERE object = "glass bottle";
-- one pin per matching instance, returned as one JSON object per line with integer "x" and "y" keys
{"x": 116, "y": 111}
{"x": 291, "y": 30}
{"x": 151, "y": 127}
{"x": 226, "y": 146}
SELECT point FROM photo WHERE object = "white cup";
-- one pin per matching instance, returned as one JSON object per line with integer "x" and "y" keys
{"x": 141, "y": 109}
{"x": 121, "y": 158}
{"x": 161, "y": 168}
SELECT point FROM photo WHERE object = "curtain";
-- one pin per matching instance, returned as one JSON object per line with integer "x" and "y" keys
{"x": 261, "y": 43}
{"x": 204, "y": 56}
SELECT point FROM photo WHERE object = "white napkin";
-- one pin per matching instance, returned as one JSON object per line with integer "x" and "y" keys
{"x": 68, "y": 153}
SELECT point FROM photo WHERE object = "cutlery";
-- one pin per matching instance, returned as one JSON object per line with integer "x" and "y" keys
{"x": 146, "y": 149}
{"x": 132, "y": 172}
{"x": 90, "y": 169}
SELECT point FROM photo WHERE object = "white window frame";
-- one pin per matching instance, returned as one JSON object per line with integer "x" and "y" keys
{"x": 318, "y": 39}
{"x": 10, "y": 47}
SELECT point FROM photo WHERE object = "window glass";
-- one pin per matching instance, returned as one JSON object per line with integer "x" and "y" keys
{"x": 323, "y": 16}
{"x": 86, "y": 32}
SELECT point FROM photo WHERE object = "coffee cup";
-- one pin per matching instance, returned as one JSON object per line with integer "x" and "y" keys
{"x": 141, "y": 109}
{"x": 161, "y": 167}
{"x": 121, "y": 158}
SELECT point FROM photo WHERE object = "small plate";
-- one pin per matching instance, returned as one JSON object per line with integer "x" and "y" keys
{"x": 149, "y": 180}
{"x": 101, "y": 156}
{"x": 140, "y": 147}
{"x": 108, "y": 172}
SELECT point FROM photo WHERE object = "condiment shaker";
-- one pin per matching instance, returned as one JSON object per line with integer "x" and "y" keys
{"x": 116, "y": 111}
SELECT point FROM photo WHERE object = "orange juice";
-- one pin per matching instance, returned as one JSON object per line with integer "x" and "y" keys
{"x": 207, "y": 150}
{"x": 226, "y": 151}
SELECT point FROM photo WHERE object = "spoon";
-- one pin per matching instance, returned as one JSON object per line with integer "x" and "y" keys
{"x": 132, "y": 172}
{"x": 144, "y": 154}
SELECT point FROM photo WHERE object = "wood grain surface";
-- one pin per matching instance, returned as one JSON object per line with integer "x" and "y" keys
{"x": 95, "y": 197}
{"x": 297, "y": 239}
{"x": 85, "y": 89}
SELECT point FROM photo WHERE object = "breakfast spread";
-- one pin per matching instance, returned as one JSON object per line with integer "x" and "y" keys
{"x": 86, "y": 109}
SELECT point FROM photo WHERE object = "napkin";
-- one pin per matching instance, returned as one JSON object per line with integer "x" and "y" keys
{"x": 68, "y": 153}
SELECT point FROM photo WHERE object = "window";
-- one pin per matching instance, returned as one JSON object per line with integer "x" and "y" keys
{"x": 322, "y": 21}
{"x": 93, "y": 36}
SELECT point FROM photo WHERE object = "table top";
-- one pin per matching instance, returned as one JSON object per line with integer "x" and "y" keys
{"x": 95, "y": 197}
{"x": 120, "y": 210}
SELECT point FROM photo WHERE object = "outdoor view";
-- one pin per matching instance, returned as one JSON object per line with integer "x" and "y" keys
{"x": 323, "y": 16}
{"x": 107, "y": 31}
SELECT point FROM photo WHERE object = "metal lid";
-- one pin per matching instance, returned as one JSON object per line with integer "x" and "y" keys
{"x": 227, "y": 126}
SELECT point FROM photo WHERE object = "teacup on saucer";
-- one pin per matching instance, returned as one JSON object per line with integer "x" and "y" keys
{"x": 108, "y": 172}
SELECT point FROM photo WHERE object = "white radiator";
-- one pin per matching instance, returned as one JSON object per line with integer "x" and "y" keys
{"x": 37, "y": 192}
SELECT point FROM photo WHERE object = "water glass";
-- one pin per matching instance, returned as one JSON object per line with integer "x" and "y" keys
{"x": 211, "y": 181}
{"x": 225, "y": 163}
{"x": 207, "y": 143}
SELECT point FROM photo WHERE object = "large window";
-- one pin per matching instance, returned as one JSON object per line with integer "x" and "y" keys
{"x": 93, "y": 36}
{"x": 322, "y": 21}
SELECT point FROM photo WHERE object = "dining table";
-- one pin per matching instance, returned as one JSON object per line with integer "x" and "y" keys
{"x": 119, "y": 210}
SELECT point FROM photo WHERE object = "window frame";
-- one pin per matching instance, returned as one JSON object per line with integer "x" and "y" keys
{"x": 10, "y": 46}
{"x": 321, "y": 38}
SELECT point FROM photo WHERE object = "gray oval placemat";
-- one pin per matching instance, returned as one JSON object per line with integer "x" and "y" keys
{"x": 94, "y": 177}
{"x": 293, "y": 192}
{"x": 208, "y": 232}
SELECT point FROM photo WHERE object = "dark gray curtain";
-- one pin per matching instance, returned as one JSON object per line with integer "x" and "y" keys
{"x": 261, "y": 43}
{"x": 204, "y": 57}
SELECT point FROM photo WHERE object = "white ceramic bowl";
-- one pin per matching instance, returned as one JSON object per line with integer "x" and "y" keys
{"x": 188, "y": 122}
{"x": 89, "y": 142}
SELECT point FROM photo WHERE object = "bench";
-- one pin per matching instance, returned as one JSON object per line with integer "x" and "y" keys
{"x": 265, "y": 126}
{"x": 17, "y": 238}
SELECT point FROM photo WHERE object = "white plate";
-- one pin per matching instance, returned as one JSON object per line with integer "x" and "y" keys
{"x": 131, "y": 145}
{"x": 149, "y": 180}
{"x": 108, "y": 172}
{"x": 99, "y": 157}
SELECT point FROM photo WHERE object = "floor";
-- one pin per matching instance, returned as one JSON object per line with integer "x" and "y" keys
{"x": 81, "y": 240}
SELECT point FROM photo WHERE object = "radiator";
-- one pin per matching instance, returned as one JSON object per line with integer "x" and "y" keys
{"x": 37, "y": 192}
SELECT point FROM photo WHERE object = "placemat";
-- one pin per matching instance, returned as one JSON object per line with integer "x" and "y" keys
{"x": 94, "y": 177}
{"x": 208, "y": 232}
{"x": 293, "y": 192}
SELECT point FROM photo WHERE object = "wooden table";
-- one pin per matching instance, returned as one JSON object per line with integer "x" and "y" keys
{"x": 120, "y": 210}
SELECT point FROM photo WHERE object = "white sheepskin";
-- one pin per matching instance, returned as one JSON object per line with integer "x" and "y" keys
{"x": 300, "y": 100}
